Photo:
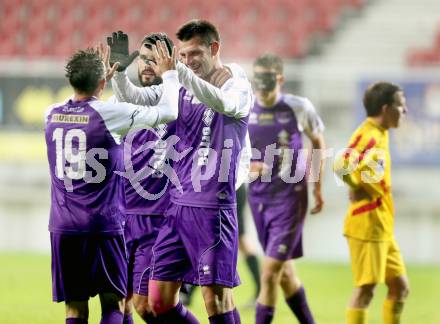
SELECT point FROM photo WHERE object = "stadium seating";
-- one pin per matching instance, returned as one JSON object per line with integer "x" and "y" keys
{"x": 43, "y": 28}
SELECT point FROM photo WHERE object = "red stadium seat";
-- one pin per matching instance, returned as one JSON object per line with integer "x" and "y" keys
{"x": 10, "y": 46}
{"x": 326, "y": 13}
{"x": 222, "y": 15}
{"x": 247, "y": 27}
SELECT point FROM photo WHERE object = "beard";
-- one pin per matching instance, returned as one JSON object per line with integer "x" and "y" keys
{"x": 155, "y": 81}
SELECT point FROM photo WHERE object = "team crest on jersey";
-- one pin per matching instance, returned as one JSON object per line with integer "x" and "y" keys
{"x": 284, "y": 117}
{"x": 253, "y": 118}
{"x": 187, "y": 96}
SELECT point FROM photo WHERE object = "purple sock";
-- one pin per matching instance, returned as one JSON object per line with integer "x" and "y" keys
{"x": 264, "y": 314}
{"x": 72, "y": 320}
{"x": 225, "y": 318}
{"x": 112, "y": 317}
{"x": 237, "y": 319}
{"x": 177, "y": 314}
{"x": 299, "y": 306}
{"x": 128, "y": 319}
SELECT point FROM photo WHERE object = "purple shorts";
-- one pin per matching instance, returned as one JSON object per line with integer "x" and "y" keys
{"x": 279, "y": 225}
{"x": 197, "y": 245}
{"x": 140, "y": 234}
{"x": 84, "y": 266}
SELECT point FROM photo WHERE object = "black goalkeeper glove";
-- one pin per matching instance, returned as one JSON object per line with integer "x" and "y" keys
{"x": 118, "y": 43}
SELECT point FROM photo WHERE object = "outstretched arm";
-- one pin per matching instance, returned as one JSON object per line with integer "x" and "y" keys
{"x": 233, "y": 99}
{"x": 126, "y": 91}
{"x": 121, "y": 117}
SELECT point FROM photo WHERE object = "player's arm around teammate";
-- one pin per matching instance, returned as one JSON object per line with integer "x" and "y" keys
{"x": 203, "y": 59}
{"x": 225, "y": 89}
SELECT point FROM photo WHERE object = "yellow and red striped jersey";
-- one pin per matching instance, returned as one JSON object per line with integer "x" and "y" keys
{"x": 366, "y": 164}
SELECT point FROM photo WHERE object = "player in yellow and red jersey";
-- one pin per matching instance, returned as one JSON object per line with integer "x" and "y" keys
{"x": 366, "y": 168}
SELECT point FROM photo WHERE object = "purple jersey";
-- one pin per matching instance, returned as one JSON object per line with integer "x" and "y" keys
{"x": 211, "y": 128}
{"x": 83, "y": 206}
{"x": 149, "y": 196}
{"x": 84, "y": 152}
{"x": 212, "y": 137}
{"x": 276, "y": 133}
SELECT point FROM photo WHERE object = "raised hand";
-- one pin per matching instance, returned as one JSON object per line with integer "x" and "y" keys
{"x": 104, "y": 53}
{"x": 163, "y": 60}
{"x": 118, "y": 43}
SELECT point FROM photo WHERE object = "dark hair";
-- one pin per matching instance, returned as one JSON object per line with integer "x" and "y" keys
{"x": 199, "y": 28}
{"x": 379, "y": 94}
{"x": 84, "y": 70}
{"x": 152, "y": 38}
{"x": 270, "y": 61}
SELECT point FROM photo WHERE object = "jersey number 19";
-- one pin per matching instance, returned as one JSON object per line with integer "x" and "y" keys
{"x": 66, "y": 153}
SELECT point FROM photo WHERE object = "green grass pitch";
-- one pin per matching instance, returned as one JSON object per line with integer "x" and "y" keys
{"x": 25, "y": 287}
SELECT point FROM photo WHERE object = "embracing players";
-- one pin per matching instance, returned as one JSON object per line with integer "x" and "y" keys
{"x": 198, "y": 241}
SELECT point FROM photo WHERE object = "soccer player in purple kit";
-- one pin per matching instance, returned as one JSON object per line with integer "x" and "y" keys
{"x": 83, "y": 138}
{"x": 278, "y": 199}
{"x": 198, "y": 241}
{"x": 148, "y": 198}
